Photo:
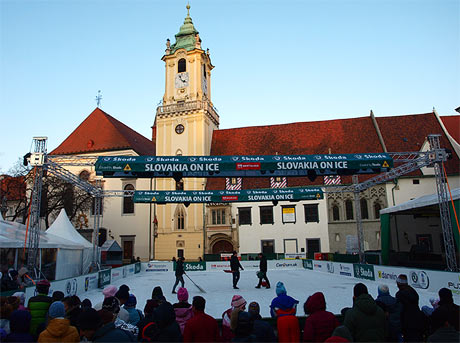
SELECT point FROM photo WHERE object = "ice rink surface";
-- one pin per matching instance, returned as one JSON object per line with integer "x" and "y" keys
{"x": 299, "y": 283}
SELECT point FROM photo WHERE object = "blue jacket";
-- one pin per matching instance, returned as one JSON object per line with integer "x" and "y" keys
{"x": 283, "y": 302}
{"x": 109, "y": 333}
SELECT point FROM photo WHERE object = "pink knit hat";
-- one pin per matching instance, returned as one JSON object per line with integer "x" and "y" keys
{"x": 109, "y": 291}
{"x": 182, "y": 294}
{"x": 238, "y": 301}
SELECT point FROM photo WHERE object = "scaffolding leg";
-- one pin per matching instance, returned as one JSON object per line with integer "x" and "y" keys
{"x": 443, "y": 200}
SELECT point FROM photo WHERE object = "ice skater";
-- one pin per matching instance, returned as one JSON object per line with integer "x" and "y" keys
{"x": 235, "y": 266}
{"x": 262, "y": 273}
{"x": 179, "y": 273}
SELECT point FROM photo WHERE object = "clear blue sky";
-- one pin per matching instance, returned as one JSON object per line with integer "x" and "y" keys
{"x": 275, "y": 61}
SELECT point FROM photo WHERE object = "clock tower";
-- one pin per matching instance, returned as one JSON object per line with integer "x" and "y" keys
{"x": 184, "y": 124}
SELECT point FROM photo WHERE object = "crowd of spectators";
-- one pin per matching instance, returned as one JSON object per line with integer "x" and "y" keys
{"x": 117, "y": 318}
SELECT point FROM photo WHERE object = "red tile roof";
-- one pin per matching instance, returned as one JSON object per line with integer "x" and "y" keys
{"x": 102, "y": 132}
{"x": 343, "y": 136}
{"x": 14, "y": 187}
{"x": 409, "y": 132}
{"x": 452, "y": 124}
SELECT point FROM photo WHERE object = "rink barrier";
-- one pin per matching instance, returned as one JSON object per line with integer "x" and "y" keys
{"x": 79, "y": 285}
{"x": 430, "y": 280}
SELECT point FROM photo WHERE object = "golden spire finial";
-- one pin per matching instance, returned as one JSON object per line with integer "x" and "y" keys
{"x": 188, "y": 9}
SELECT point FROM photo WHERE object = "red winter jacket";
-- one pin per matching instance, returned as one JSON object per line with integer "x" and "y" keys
{"x": 320, "y": 324}
{"x": 201, "y": 328}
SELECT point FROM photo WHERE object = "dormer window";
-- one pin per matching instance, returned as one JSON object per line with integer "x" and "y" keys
{"x": 181, "y": 65}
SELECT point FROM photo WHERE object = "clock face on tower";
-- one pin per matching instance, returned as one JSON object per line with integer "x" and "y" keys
{"x": 181, "y": 80}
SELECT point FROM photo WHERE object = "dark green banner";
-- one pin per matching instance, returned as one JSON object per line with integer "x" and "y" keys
{"x": 279, "y": 194}
{"x": 242, "y": 166}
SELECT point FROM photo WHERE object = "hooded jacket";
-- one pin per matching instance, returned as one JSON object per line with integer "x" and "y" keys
{"x": 59, "y": 330}
{"x": 366, "y": 320}
{"x": 413, "y": 321}
{"x": 320, "y": 323}
{"x": 284, "y": 308}
{"x": 393, "y": 307}
{"x": 183, "y": 312}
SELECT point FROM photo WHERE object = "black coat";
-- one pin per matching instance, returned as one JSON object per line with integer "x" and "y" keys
{"x": 413, "y": 321}
{"x": 263, "y": 264}
{"x": 179, "y": 268}
{"x": 235, "y": 264}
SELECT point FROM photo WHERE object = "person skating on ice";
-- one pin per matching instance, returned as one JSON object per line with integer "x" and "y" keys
{"x": 235, "y": 266}
{"x": 262, "y": 274}
{"x": 179, "y": 273}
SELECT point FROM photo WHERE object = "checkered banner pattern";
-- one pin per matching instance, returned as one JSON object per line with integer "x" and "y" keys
{"x": 233, "y": 184}
{"x": 281, "y": 183}
{"x": 332, "y": 180}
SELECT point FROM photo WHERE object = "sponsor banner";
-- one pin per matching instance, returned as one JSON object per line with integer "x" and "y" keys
{"x": 431, "y": 280}
{"x": 219, "y": 265}
{"x": 294, "y": 256}
{"x": 238, "y": 166}
{"x": 137, "y": 267}
{"x": 308, "y": 264}
{"x": 291, "y": 264}
{"x": 104, "y": 278}
{"x": 194, "y": 266}
{"x": 117, "y": 273}
{"x": 91, "y": 282}
{"x": 158, "y": 266}
{"x": 225, "y": 196}
{"x": 319, "y": 266}
{"x": 364, "y": 271}
{"x": 344, "y": 269}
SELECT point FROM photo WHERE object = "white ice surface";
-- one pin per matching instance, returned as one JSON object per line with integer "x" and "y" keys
{"x": 300, "y": 284}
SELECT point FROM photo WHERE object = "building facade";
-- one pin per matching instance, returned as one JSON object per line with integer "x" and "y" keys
{"x": 187, "y": 123}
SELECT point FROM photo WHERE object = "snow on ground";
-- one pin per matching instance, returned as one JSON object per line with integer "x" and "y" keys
{"x": 299, "y": 283}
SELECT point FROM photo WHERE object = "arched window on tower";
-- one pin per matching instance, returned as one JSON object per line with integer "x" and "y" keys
{"x": 180, "y": 218}
{"x": 335, "y": 213}
{"x": 364, "y": 209}
{"x": 128, "y": 203}
{"x": 181, "y": 65}
{"x": 349, "y": 209}
{"x": 377, "y": 208}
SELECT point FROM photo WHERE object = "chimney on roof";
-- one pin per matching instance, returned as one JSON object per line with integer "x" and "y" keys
{"x": 379, "y": 134}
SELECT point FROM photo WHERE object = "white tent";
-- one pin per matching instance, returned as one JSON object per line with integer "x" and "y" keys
{"x": 423, "y": 201}
{"x": 62, "y": 227}
{"x": 69, "y": 254}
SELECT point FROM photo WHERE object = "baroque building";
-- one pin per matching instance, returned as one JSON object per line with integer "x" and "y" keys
{"x": 187, "y": 123}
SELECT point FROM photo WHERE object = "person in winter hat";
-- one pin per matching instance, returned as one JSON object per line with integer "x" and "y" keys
{"x": 445, "y": 305}
{"x": 413, "y": 321}
{"x": 20, "y": 327}
{"x": 22, "y": 300}
{"x": 393, "y": 313}
{"x": 110, "y": 320}
{"x": 284, "y": 308}
{"x": 238, "y": 303}
{"x": 58, "y": 328}
{"x": 38, "y": 306}
{"x": 320, "y": 323}
{"x": 262, "y": 330}
{"x": 182, "y": 308}
{"x": 134, "y": 314}
{"x": 365, "y": 320}
{"x": 108, "y": 291}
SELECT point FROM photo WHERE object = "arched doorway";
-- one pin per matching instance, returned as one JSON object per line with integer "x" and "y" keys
{"x": 222, "y": 246}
